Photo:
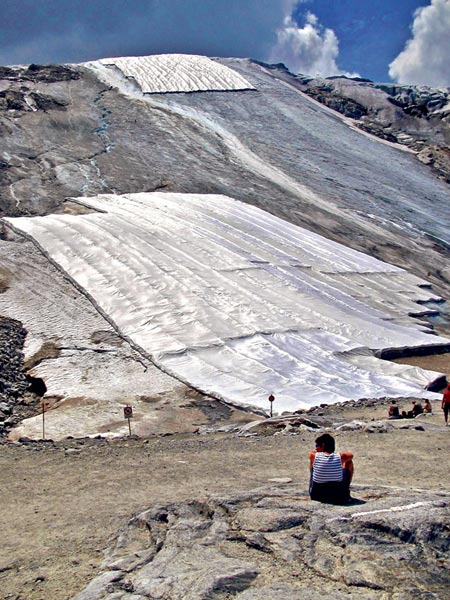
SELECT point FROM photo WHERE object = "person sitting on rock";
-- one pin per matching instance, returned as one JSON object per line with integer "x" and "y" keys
{"x": 331, "y": 472}
{"x": 393, "y": 411}
{"x": 427, "y": 407}
{"x": 417, "y": 409}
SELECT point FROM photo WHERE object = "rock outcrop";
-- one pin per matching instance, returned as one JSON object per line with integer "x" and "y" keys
{"x": 416, "y": 116}
{"x": 39, "y": 73}
{"x": 275, "y": 543}
{"x": 13, "y": 382}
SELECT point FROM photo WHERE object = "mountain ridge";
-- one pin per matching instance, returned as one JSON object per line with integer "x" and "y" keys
{"x": 415, "y": 116}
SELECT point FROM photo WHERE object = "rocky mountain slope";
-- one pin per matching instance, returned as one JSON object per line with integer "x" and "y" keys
{"x": 80, "y": 130}
{"x": 66, "y": 133}
{"x": 418, "y": 117}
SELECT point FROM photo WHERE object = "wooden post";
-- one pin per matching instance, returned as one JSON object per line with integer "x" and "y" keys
{"x": 43, "y": 417}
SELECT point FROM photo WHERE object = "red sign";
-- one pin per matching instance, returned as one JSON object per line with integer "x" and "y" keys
{"x": 271, "y": 398}
{"x": 128, "y": 412}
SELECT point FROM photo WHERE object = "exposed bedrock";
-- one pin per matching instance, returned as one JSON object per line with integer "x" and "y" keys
{"x": 275, "y": 543}
{"x": 416, "y": 116}
{"x": 39, "y": 73}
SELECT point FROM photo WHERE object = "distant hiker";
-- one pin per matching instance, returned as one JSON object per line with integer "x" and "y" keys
{"x": 427, "y": 407}
{"x": 446, "y": 404}
{"x": 331, "y": 472}
{"x": 393, "y": 411}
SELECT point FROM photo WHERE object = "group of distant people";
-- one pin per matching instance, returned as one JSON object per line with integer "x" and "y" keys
{"x": 416, "y": 409}
{"x": 331, "y": 472}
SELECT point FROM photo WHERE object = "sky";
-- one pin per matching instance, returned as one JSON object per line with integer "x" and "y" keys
{"x": 405, "y": 41}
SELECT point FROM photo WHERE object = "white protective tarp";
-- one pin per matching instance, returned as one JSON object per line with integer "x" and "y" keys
{"x": 239, "y": 303}
{"x": 163, "y": 73}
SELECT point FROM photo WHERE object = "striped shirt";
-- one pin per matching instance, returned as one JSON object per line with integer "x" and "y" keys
{"x": 327, "y": 467}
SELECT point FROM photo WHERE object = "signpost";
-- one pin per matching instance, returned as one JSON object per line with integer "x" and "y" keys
{"x": 43, "y": 406}
{"x": 271, "y": 400}
{"x": 128, "y": 414}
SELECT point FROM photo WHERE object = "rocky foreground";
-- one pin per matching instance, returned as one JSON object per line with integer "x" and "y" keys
{"x": 227, "y": 514}
{"x": 275, "y": 543}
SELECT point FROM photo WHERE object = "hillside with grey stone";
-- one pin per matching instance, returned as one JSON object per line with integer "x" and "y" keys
{"x": 65, "y": 133}
{"x": 220, "y": 510}
{"x": 68, "y": 132}
{"x": 415, "y": 116}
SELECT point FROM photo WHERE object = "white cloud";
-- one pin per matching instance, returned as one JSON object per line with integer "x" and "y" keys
{"x": 426, "y": 57}
{"x": 311, "y": 50}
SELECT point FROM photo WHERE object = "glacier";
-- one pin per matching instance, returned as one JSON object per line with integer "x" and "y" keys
{"x": 281, "y": 310}
{"x": 239, "y": 303}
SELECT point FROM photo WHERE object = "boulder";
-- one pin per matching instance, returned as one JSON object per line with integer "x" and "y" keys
{"x": 276, "y": 543}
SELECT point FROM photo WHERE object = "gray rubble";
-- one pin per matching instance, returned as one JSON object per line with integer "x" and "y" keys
{"x": 12, "y": 378}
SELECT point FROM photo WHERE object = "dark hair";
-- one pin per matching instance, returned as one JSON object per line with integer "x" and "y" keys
{"x": 327, "y": 441}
